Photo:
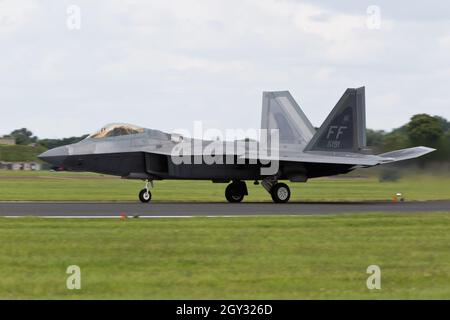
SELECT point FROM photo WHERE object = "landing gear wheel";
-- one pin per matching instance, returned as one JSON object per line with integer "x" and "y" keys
{"x": 280, "y": 193}
{"x": 234, "y": 193}
{"x": 145, "y": 196}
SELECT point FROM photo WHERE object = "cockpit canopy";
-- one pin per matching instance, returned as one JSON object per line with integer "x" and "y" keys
{"x": 115, "y": 130}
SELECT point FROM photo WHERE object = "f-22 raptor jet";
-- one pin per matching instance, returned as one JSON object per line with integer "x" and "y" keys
{"x": 300, "y": 152}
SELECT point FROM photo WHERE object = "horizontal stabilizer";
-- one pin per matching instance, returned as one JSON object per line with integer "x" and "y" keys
{"x": 406, "y": 154}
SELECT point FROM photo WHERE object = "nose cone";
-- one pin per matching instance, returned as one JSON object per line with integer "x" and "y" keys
{"x": 55, "y": 156}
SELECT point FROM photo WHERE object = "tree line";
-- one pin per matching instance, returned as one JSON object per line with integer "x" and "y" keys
{"x": 421, "y": 130}
{"x": 26, "y": 137}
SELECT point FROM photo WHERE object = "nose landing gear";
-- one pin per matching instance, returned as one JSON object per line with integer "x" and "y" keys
{"x": 145, "y": 195}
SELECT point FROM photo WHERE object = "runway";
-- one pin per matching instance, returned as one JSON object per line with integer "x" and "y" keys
{"x": 158, "y": 209}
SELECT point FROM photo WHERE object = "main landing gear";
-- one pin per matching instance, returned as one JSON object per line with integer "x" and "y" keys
{"x": 280, "y": 192}
{"x": 145, "y": 195}
{"x": 237, "y": 190}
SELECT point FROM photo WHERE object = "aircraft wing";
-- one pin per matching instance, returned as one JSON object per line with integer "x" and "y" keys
{"x": 406, "y": 154}
{"x": 320, "y": 157}
{"x": 349, "y": 158}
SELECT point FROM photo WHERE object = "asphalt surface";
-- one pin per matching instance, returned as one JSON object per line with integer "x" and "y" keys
{"x": 102, "y": 209}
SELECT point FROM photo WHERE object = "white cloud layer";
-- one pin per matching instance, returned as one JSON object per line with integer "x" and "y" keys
{"x": 165, "y": 64}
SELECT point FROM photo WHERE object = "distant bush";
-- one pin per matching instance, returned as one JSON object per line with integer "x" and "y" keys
{"x": 389, "y": 175}
{"x": 53, "y": 143}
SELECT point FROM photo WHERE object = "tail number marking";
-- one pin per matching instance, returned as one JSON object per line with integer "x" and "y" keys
{"x": 334, "y": 136}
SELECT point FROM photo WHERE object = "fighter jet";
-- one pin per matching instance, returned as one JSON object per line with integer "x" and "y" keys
{"x": 299, "y": 151}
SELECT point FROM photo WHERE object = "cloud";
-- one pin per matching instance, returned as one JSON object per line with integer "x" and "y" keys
{"x": 14, "y": 15}
{"x": 165, "y": 64}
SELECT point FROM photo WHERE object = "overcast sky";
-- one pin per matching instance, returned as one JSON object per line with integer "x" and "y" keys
{"x": 164, "y": 64}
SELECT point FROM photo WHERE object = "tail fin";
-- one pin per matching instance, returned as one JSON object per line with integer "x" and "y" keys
{"x": 280, "y": 111}
{"x": 345, "y": 128}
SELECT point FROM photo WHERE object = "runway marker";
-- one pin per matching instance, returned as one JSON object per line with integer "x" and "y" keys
{"x": 162, "y": 217}
{"x": 95, "y": 217}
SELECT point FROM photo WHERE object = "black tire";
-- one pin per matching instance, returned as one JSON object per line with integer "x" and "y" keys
{"x": 233, "y": 193}
{"x": 280, "y": 193}
{"x": 145, "y": 196}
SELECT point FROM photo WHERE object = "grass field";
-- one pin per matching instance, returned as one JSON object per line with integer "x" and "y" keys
{"x": 20, "y": 153}
{"x": 215, "y": 258}
{"x": 80, "y": 186}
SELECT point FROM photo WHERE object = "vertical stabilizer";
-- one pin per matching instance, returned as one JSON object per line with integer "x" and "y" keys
{"x": 344, "y": 130}
{"x": 280, "y": 111}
